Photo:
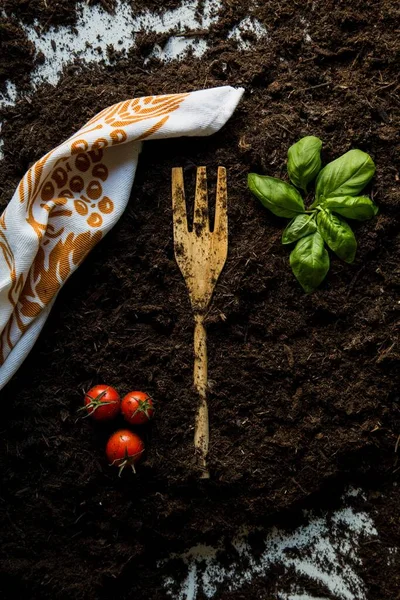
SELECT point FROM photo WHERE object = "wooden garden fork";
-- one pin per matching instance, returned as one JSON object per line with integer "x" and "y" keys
{"x": 201, "y": 255}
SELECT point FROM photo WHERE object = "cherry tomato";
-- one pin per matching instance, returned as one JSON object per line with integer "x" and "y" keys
{"x": 102, "y": 402}
{"x": 124, "y": 448}
{"x": 137, "y": 408}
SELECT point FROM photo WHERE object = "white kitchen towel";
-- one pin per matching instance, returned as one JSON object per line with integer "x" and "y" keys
{"x": 70, "y": 198}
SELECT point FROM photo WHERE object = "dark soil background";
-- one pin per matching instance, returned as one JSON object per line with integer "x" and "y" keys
{"x": 304, "y": 390}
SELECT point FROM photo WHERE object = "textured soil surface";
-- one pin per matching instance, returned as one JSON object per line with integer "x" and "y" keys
{"x": 304, "y": 389}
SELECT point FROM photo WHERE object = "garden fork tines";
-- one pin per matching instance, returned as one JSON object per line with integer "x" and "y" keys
{"x": 201, "y": 255}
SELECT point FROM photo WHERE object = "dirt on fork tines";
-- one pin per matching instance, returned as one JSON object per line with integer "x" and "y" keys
{"x": 304, "y": 389}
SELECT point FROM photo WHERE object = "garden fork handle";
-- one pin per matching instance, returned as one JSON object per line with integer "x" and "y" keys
{"x": 201, "y": 434}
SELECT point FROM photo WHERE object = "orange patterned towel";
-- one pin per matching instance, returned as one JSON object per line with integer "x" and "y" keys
{"x": 70, "y": 198}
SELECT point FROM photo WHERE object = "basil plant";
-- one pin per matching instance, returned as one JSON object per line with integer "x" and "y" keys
{"x": 337, "y": 198}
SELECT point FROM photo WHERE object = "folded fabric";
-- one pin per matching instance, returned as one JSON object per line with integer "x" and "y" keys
{"x": 70, "y": 198}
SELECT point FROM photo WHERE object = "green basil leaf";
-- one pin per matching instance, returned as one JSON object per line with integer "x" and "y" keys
{"x": 345, "y": 176}
{"x": 310, "y": 261}
{"x": 304, "y": 161}
{"x": 359, "y": 207}
{"x": 338, "y": 235}
{"x": 279, "y": 197}
{"x": 299, "y": 227}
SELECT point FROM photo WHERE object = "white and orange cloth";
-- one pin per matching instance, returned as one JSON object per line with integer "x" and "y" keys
{"x": 70, "y": 198}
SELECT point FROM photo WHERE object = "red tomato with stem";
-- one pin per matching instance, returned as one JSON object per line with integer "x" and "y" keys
{"x": 124, "y": 448}
{"x": 137, "y": 408}
{"x": 102, "y": 402}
